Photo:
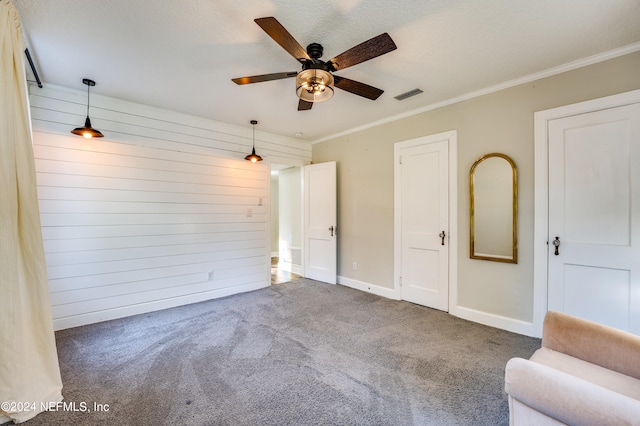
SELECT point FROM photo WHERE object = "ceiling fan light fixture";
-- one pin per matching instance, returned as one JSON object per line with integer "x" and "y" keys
{"x": 253, "y": 157}
{"x": 314, "y": 85}
{"x": 87, "y": 131}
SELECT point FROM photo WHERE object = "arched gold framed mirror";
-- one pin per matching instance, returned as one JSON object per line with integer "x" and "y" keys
{"x": 493, "y": 188}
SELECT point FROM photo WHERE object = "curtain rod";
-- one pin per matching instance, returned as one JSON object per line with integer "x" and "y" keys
{"x": 33, "y": 67}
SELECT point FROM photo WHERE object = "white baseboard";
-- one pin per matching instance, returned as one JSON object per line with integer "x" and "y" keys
{"x": 491, "y": 320}
{"x": 497, "y": 321}
{"x": 389, "y": 293}
{"x": 109, "y": 314}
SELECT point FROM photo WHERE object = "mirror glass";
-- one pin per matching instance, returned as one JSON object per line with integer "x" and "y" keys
{"x": 494, "y": 209}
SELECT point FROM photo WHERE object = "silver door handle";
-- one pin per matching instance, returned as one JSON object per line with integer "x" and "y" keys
{"x": 332, "y": 229}
{"x": 556, "y": 244}
{"x": 442, "y": 235}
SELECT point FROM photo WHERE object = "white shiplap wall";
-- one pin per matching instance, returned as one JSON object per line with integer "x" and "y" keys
{"x": 161, "y": 212}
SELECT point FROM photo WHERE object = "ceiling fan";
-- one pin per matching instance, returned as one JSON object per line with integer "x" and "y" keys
{"x": 315, "y": 82}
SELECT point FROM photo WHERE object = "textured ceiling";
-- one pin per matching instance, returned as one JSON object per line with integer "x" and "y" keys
{"x": 181, "y": 55}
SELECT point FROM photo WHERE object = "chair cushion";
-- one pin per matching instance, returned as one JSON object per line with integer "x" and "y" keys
{"x": 612, "y": 380}
{"x": 568, "y": 399}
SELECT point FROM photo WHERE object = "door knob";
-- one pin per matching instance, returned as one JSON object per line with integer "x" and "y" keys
{"x": 442, "y": 235}
{"x": 556, "y": 244}
{"x": 332, "y": 229}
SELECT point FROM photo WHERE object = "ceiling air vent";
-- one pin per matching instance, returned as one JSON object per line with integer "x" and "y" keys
{"x": 405, "y": 95}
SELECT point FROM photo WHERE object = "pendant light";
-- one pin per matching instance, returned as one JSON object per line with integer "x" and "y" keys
{"x": 253, "y": 157}
{"x": 87, "y": 131}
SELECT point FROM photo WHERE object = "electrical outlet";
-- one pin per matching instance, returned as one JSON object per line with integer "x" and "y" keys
{"x": 355, "y": 266}
{"x": 210, "y": 276}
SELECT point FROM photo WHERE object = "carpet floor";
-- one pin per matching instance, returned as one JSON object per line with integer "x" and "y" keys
{"x": 298, "y": 353}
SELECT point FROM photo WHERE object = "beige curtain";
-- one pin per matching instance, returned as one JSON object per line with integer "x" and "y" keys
{"x": 29, "y": 371}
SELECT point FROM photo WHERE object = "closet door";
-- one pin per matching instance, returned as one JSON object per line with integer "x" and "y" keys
{"x": 594, "y": 216}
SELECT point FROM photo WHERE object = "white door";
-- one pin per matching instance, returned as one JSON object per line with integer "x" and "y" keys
{"x": 422, "y": 201}
{"x": 320, "y": 227}
{"x": 594, "y": 216}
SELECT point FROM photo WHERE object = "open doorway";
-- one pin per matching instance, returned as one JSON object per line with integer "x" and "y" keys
{"x": 286, "y": 223}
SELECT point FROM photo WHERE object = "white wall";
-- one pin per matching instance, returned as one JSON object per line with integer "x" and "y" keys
{"x": 136, "y": 221}
{"x": 275, "y": 214}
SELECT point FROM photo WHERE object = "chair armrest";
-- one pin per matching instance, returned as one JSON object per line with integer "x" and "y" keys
{"x": 598, "y": 344}
{"x": 566, "y": 398}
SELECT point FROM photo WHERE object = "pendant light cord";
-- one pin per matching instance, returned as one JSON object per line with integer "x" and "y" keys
{"x": 88, "y": 87}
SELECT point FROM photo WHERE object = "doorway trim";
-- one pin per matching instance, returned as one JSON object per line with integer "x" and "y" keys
{"x": 297, "y": 269}
{"x": 541, "y": 189}
{"x": 451, "y": 137}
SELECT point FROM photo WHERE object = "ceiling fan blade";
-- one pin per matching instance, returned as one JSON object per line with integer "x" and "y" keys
{"x": 357, "y": 88}
{"x": 280, "y": 35}
{"x": 304, "y": 105}
{"x": 366, "y": 50}
{"x": 264, "y": 77}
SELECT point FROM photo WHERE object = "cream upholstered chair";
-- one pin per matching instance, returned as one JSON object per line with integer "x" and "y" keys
{"x": 584, "y": 374}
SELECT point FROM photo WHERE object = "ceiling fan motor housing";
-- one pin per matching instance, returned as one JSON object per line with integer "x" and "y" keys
{"x": 315, "y": 50}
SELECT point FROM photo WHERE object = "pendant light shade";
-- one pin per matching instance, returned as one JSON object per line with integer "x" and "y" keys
{"x": 253, "y": 157}
{"x": 87, "y": 131}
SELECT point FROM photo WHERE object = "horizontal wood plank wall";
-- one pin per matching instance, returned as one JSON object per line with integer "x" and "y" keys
{"x": 159, "y": 213}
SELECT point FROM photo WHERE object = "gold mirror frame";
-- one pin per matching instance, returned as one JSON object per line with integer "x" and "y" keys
{"x": 513, "y": 257}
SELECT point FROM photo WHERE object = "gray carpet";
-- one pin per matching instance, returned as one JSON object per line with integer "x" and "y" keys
{"x": 299, "y": 353}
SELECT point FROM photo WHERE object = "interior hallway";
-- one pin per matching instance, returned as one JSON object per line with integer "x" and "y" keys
{"x": 279, "y": 276}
